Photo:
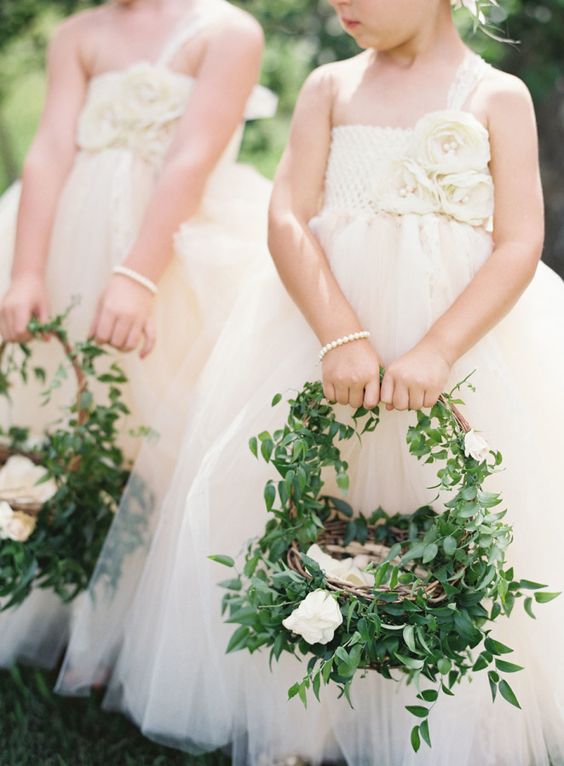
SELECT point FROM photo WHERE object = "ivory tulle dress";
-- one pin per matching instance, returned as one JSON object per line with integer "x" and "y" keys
{"x": 127, "y": 122}
{"x": 405, "y": 224}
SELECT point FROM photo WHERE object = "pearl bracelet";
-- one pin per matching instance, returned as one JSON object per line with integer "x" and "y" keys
{"x": 341, "y": 342}
{"x": 124, "y": 271}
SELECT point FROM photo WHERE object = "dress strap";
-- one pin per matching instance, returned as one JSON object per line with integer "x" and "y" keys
{"x": 189, "y": 27}
{"x": 469, "y": 74}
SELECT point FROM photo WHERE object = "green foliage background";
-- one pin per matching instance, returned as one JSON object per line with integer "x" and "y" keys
{"x": 302, "y": 34}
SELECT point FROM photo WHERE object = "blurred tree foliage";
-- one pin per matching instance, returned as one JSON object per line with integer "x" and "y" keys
{"x": 302, "y": 34}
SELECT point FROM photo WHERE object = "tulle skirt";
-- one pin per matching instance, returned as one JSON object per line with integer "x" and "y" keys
{"x": 156, "y": 636}
{"x": 99, "y": 213}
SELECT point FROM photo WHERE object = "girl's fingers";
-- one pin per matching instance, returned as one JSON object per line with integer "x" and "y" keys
{"x": 134, "y": 337}
{"x": 400, "y": 400}
{"x": 371, "y": 394}
{"x": 431, "y": 398}
{"x": 104, "y": 327}
{"x": 416, "y": 399}
{"x": 150, "y": 337}
{"x": 387, "y": 391}
{"x": 122, "y": 328}
{"x": 342, "y": 393}
{"x": 329, "y": 391}
{"x": 356, "y": 396}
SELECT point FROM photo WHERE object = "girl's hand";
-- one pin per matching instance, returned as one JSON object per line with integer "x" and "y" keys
{"x": 416, "y": 379}
{"x": 124, "y": 317}
{"x": 26, "y": 298}
{"x": 351, "y": 375}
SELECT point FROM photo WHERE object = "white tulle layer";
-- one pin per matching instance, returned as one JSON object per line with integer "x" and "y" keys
{"x": 99, "y": 213}
{"x": 158, "y": 638}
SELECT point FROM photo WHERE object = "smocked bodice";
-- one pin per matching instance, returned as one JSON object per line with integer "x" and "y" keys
{"x": 440, "y": 166}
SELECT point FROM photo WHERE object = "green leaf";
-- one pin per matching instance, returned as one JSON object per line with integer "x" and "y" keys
{"x": 415, "y": 738}
{"x": 409, "y": 637}
{"x": 528, "y": 606}
{"x": 449, "y": 545}
{"x": 496, "y": 647}
{"x": 424, "y": 729}
{"x": 238, "y": 640}
{"x": 276, "y": 399}
{"x": 545, "y": 597}
{"x": 508, "y": 694}
{"x": 410, "y": 662}
{"x": 418, "y": 710}
{"x": 529, "y": 585}
{"x": 443, "y": 666}
{"x": 429, "y": 695}
{"x": 507, "y": 667}
{"x": 227, "y": 561}
{"x": 253, "y": 445}
{"x": 269, "y": 495}
{"x": 430, "y": 552}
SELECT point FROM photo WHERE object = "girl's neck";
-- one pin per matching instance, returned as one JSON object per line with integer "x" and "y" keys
{"x": 438, "y": 39}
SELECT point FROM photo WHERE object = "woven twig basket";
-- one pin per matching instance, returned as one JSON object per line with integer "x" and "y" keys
{"x": 20, "y": 502}
{"x": 331, "y": 540}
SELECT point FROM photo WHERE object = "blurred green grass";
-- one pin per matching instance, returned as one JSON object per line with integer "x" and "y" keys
{"x": 39, "y": 728}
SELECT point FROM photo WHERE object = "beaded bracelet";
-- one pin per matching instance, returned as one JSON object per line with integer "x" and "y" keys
{"x": 341, "y": 342}
{"x": 124, "y": 271}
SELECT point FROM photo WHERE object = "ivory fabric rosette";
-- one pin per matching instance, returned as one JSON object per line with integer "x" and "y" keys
{"x": 468, "y": 196}
{"x": 316, "y": 618}
{"x": 451, "y": 141}
{"x": 405, "y": 187}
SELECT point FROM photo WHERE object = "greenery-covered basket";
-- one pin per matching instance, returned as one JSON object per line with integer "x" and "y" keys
{"x": 59, "y": 492}
{"x": 413, "y": 594}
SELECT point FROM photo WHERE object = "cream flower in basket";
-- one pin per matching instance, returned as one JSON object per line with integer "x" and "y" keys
{"x": 19, "y": 479}
{"x": 451, "y": 142}
{"x": 404, "y": 188}
{"x": 467, "y": 197}
{"x": 476, "y": 446}
{"x": 347, "y": 570}
{"x": 15, "y": 525}
{"x": 316, "y": 618}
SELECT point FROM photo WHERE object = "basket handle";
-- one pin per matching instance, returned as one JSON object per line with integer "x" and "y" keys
{"x": 79, "y": 373}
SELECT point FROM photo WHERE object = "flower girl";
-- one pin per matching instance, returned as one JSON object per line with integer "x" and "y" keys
{"x": 406, "y": 224}
{"x": 132, "y": 202}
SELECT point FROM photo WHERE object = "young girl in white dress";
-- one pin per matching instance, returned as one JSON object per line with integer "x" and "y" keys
{"x": 132, "y": 201}
{"x": 408, "y": 205}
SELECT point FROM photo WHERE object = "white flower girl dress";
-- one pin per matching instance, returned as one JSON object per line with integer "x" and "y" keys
{"x": 127, "y": 122}
{"x": 405, "y": 224}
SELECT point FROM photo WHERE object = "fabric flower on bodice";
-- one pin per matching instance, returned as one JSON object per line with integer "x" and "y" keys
{"x": 444, "y": 171}
{"x": 468, "y": 196}
{"x": 451, "y": 142}
{"x": 134, "y": 109}
{"x": 404, "y": 187}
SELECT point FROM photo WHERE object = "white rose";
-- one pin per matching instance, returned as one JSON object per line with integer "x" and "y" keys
{"x": 19, "y": 479}
{"x": 316, "y": 618}
{"x": 451, "y": 141}
{"x": 468, "y": 197}
{"x": 19, "y": 527}
{"x": 346, "y": 570}
{"x": 405, "y": 187}
{"x": 476, "y": 446}
{"x": 6, "y": 514}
